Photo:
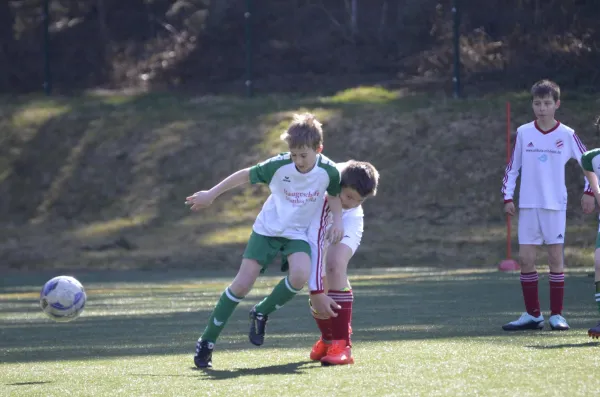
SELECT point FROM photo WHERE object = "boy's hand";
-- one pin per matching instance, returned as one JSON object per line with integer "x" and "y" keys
{"x": 322, "y": 306}
{"x": 198, "y": 200}
{"x": 335, "y": 234}
{"x": 588, "y": 204}
{"x": 509, "y": 208}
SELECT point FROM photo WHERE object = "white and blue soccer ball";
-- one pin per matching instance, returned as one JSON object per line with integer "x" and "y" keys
{"x": 63, "y": 298}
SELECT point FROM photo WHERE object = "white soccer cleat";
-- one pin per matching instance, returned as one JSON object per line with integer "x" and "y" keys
{"x": 526, "y": 321}
{"x": 558, "y": 323}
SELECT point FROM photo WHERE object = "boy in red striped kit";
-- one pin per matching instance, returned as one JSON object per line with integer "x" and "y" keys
{"x": 542, "y": 148}
{"x": 331, "y": 299}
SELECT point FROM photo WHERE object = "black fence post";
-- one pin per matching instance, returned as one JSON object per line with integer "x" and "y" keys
{"x": 249, "y": 66}
{"x": 456, "y": 40}
{"x": 47, "y": 72}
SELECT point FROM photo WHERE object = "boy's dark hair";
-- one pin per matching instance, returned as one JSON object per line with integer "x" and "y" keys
{"x": 305, "y": 130}
{"x": 544, "y": 88}
{"x": 360, "y": 176}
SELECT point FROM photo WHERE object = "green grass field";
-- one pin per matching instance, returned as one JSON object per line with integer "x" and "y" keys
{"x": 417, "y": 332}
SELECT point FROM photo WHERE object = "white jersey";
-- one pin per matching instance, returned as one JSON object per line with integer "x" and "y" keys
{"x": 295, "y": 197}
{"x": 353, "y": 221}
{"x": 541, "y": 157}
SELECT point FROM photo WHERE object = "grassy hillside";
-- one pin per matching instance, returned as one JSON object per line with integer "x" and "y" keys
{"x": 99, "y": 181}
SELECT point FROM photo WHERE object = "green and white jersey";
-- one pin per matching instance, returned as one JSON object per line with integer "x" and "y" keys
{"x": 295, "y": 197}
{"x": 590, "y": 161}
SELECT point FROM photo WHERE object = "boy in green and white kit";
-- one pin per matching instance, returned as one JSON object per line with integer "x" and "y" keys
{"x": 590, "y": 162}
{"x": 298, "y": 181}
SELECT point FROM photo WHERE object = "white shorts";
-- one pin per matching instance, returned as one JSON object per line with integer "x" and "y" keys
{"x": 539, "y": 226}
{"x": 353, "y": 229}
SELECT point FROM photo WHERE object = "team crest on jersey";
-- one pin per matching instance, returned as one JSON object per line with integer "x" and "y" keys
{"x": 559, "y": 143}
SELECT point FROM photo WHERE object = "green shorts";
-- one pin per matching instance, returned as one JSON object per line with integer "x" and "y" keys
{"x": 264, "y": 249}
{"x": 598, "y": 241}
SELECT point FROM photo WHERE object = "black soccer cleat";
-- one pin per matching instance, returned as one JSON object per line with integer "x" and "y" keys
{"x": 594, "y": 332}
{"x": 203, "y": 356}
{"x": 258, "y": 325}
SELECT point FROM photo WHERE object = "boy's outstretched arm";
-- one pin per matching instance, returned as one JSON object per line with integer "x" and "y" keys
{"x": 204, "y": 198}
{"x": 336, "y": 231}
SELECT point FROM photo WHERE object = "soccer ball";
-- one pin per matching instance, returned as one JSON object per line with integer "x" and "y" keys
{"x": 63, "y": 298}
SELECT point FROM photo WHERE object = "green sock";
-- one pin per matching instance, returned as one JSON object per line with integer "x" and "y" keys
{"x": 598, "y": 295}
{"x": 220, "y": 314}
{"x": 281, "y": 294}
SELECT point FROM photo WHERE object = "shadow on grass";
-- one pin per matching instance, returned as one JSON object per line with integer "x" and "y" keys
{"x": 399, "y": 307}
{"x": 282, "y": 369}
{"x": 163, "y": 375}
{"x": 566, "y": 345}
{"x": 28, "y": 383}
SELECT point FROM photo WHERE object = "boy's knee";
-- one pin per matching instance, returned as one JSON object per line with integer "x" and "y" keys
{"x": 298, "y": 278}
{"x": 597, "y": 263}
{"x": 299, "y": 269}
{"x": 597, "y": 260}
{"x": 240, "y": 288}
{"x": 555, "y": 261}
{"x": 334, "y": 266}
{"x": 527, "y": 262}
{"x": 336, "y": 270}
{"x": 527, "y": 267}
{"x": 245, "y": 278}
{"x": 556, "y": 258}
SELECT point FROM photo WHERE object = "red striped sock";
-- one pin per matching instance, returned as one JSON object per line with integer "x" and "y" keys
{"x": 325, "y": 328}
{"x": 340, "y": 325}
{"x": 529, "y": 284}
{"x": 557, "y": 292}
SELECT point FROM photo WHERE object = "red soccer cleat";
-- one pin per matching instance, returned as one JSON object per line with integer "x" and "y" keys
{"x": 319, "y": 350}
{"x": 338, "y": 354}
